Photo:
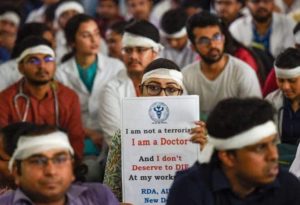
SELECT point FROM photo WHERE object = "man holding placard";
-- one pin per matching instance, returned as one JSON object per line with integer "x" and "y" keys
{"x": 244, "y": 166}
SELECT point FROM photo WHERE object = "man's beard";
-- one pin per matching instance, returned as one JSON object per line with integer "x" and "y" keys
{"x": 38, "y": 82}
{"x": 262, "y": 19}
{"x": 211, "y": 60}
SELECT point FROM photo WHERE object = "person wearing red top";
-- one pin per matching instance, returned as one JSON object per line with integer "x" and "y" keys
{"x": 37, "y": 98}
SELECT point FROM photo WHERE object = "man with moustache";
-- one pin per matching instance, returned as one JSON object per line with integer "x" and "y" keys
{"x": 218, "y": 75}
{"x": 140, "y": 46}
{"x": 265, "y": 29}
{"x": 37, "y": 98}
{"x": 244, "y": 166}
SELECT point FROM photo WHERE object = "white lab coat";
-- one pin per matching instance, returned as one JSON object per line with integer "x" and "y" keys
{"x": 281, "y": 37}
{"x": 68, "y": 74}
{"x": 110, "y": 108}
{"x": 9, "y": 74}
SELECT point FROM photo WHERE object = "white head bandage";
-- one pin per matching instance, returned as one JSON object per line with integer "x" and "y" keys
{"x": 164, "y": 74}
{"x": 34, "y": 50}
{"x": 178, "y": 34}
{"x": 246, "y": 138}
{"x": 297, "y": 37}
{"x": 287, "y": 73}
{"x": 68, "y": 6}
{"x": 28, "y": 146}
{"x": 132, "y": 40}
{"x": 11, "y": 16}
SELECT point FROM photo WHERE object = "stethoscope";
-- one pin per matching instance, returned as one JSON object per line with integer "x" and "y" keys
{"x": 21, "y": 95}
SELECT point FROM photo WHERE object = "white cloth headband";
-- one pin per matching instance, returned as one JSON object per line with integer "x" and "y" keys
{"x": 287, "y": 73}
{"x": 297, "y": 37}
{"x": 178, "y": 34}
{"x": 132, "y": 40}
{"x": 28, "y": 146}
{"x": 164, "y": 74}
{"x": 246, "y": 138}
{"x": 68, "y": 6}
{"x": 34, "y": 50}
{"x": 11, "y": 16}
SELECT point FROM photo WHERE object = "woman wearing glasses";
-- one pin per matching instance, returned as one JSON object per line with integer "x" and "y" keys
{"x": 162, "y": 77}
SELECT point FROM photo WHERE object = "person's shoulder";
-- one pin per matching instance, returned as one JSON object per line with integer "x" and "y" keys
{"x": 97, "y": 192}
{"x": 7, "y": 198}
{"x": 112, "y": 65}
{"x": 288, "y": 181}
{"x": 10, "y": 90}
{"x": 190, "y": 68}
{"x": 238, "y": 65}
{"x": 65, "y": 90}
{"x": 275, "y": 97}
{"x": 241, "y": 21}
{"x": 120, "y": 79}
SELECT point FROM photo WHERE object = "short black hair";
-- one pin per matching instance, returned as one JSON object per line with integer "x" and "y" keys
{"x": 203, "y": 4}
{"x": 173, "y": 20}
{"x": 161, "y": 63}
{"x": 143, "y": 28}
{"x": 202, "y": 19}
{"x": 289, "y": 58}
{"x": 235, "y": 115}
{"x": 118, "y": 27}
{"x": 29, "y": 29}
{"x": 9, "y": 7}
{"x": 32, "y": 41}
{"x": 11, "y": 134}
{"x": 115, "y": 1}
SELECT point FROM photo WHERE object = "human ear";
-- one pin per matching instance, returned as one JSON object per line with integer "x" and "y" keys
{"x": 227, "y": 158}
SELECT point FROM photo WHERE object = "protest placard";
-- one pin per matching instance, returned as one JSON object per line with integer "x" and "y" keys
{"x": 155, "y": 144}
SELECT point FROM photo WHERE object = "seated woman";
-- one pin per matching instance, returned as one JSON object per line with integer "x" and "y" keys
{"x": 162, "y": 77}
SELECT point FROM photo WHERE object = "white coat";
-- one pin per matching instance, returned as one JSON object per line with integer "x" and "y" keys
{"x": 68, "y": 74}
{"x": 110, "y": 108}
{"x": 9, "y": 74}
{"x": 281, "y": 36}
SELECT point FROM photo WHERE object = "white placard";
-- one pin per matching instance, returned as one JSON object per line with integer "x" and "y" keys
{"x": 155, "y": 144}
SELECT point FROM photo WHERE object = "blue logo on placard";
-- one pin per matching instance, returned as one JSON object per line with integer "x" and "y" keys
{"x": 159, "y": 112}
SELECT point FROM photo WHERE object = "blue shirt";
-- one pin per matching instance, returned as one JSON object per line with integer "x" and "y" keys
{"x": 262, "y": 40}
{"x": 87, "y": 75}
{"x": 79, "y": 194}
{"x": 207, "y": 185}
{"x": 290, "y": 124}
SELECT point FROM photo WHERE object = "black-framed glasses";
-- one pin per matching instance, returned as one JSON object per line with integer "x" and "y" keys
{"x": 155, "y": 90}
{"x": 37, "y": 61}
{"x": 205, "y": 41}
{"x": 43, "y": 161}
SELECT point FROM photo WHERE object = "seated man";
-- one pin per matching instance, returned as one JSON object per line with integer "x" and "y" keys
{"x": 244, "y": 166}
{"x": 37, "y": 98}
{"x": 42, "y": 166}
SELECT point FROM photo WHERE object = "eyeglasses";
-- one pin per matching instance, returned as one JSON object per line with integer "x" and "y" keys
{"x": 155, "y": 90}
{"x": 261, "y": 1}
{"x": 138, "y": 50}
{"x": 42, "y": 161}
{"x": 38, "y": 61}
{"x": 205, "y": 41}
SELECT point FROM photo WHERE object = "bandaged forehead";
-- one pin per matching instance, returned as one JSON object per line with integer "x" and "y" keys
{"x": 67, "y": 6}
{"x": 42, "y": 49}
{"x": 28, "y": 146}
{"x": 179, "y": 34}
{"x": 246, "y": 138}
{"x": 132, "y": 40}
{"x": 164, "y": 73}
{"x": 287, "y": 73}
{"x": 11, "y": 16}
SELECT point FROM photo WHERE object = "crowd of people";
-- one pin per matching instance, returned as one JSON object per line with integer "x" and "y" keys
{"x": 66, "y": 66}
